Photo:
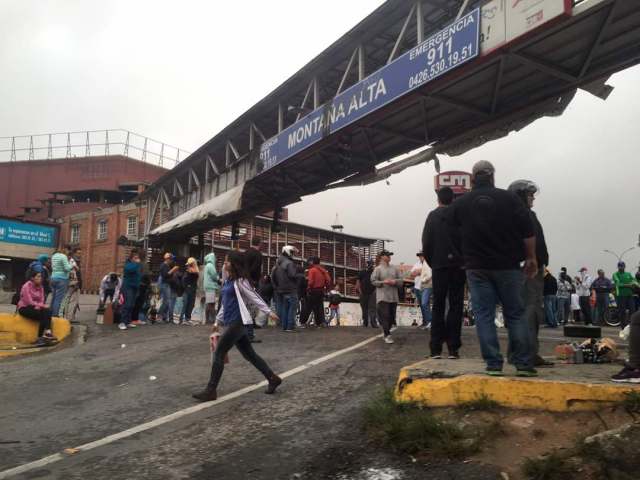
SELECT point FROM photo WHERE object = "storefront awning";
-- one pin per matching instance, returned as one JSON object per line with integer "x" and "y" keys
{"x": 224, "y": 204}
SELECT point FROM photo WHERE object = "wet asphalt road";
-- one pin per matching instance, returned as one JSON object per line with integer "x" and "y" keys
{"x": 310, "y": 429}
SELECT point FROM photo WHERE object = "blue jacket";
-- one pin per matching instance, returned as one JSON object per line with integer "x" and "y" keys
{"x": 132, "y": 275}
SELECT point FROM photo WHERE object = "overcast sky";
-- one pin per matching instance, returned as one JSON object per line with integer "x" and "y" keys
{"x": 181, "y": 71}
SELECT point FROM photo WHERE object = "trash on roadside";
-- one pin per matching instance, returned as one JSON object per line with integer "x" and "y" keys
{"x": 625, "y": 332}
{"x": 153, "y": 377}
{"x": 123, "y": 345}
{"x": 593, "y": 350}
{"x": 71, "y": 451}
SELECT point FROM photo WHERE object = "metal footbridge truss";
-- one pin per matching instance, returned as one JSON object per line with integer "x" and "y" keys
{"x": 296, "y": 141}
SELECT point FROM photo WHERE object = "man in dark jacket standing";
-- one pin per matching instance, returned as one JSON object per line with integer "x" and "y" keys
{"x": 367, "y": 294}
{"x": 533, "y": 292}
{"x": 550, "y": 299}
{"x": 285, "y": 278}
{"x": 441, "y": 247}
{"x": 497, "y": 235}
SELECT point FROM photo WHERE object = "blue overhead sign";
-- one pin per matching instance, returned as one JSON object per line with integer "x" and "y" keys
{"x": 27, "y": 234}
{"x": 437, "y": 55}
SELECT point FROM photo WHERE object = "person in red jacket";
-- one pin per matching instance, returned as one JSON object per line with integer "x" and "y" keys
{"x": 318, "y": 281}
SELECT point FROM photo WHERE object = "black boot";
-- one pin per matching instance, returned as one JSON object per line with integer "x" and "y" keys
{"x": 274, "y": 382}
{"x": 207, "y": 395}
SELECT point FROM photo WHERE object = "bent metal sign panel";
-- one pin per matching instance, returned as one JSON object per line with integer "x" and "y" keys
{"x": 437, "y": 55}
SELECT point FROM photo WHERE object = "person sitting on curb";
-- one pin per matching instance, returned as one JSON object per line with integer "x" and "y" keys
{"x": 32, "y": 306}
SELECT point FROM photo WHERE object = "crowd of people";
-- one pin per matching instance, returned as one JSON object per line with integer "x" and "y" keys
{"x": 488, "y": 240}
{"x": 59, "y": 276}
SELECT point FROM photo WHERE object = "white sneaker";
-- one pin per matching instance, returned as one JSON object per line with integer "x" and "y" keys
{"x": 188, "y": 323}
{"x": 122, "y": 326}
{"x": 388, "y": 339}
{"x": 393, "y": 329}
{"x": 131, "y": 325}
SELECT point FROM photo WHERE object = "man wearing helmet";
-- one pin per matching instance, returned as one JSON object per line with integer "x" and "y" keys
{"x": 533, "y": 290}
{"x": 285, "y": 278}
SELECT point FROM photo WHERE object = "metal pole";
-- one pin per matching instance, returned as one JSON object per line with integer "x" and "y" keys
{"x": 280, "y": 118}
{"x": 87, "y": 149}
{"x": 361, "y": 65}
{"x": 106, "y": 143}
{"x": 31, "y": 151}
{"x": 420, "y": 21}
{"x": 13, "y": 149}
{"x": 126, "y": 145}
{"x": 462, "y": 9}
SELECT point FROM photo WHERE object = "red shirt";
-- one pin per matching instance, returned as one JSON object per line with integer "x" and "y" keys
{"x": 318, "y": 278}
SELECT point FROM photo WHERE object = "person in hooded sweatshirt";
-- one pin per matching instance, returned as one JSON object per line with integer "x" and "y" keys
{"x": 110, "y": 287}
{"x": 211, "y": 285}
{"x": 238, "y": 295}
{"x": 285, "y": 278}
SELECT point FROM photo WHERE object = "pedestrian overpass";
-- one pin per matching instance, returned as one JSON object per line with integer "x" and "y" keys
{"x": 433, "y": 76}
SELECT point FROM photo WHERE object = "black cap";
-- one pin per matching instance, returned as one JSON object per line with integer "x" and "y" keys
{"x": 420, "y": 254}
{"x": 386, "y": 253}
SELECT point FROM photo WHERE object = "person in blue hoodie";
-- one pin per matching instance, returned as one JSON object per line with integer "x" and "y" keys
{"x": 131, "y": 277}
{"x": 39, "y": 265}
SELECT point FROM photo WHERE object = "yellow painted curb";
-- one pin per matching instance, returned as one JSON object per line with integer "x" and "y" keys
{"x": 25, "y": 332}
{"x": 521, "y": 393}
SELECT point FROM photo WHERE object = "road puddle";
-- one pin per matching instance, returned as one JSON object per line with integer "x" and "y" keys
{"x": 373, "y": 474}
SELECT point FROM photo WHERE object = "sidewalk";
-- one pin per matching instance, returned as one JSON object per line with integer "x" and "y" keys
{"x": 564, "y": 387}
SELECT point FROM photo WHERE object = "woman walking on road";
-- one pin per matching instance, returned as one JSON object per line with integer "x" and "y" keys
{"x": 236, "y": 295}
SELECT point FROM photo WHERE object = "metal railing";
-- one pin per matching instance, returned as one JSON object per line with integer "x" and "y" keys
{"x": 90, "y": 143}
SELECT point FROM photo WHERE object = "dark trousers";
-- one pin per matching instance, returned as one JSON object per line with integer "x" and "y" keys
{"x": 314, "y": 304}
{"x": 624, "y": 304}
{"x": 368, "y": 306}
{"x": 585, "y": 309}
{"x": 235, "y": 334}
{"x": 109, "y": 293}
{"x": 447, "y": 282}
{"x": 386, "y": 311}
{"x": 602, "y": 308}
{"x": 189, "y": 301}
{"x": 634, "y": 341}
{"x": 42, "y": 316}
{"x": 130, "y": 295}
{"x": 394, "y": 312}
{"x": 533, "y": 299}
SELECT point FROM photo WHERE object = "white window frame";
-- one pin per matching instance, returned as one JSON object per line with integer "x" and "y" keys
{"x": 74, "y": 234}
{"x": 102, "y": 225}
{"x": 132, "y": 233}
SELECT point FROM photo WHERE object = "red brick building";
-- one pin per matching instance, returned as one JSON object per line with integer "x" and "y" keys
{"x": 41, "y": 189}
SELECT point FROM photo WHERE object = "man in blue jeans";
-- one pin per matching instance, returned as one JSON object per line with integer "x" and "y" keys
{"x": 131, "y": 276}
{"x": 285, "y": 278}
{"x": 497, "y": 235}
{"x": 166, "y": 283}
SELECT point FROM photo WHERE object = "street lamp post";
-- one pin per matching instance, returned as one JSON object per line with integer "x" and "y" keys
{"x": 619, "y": 257}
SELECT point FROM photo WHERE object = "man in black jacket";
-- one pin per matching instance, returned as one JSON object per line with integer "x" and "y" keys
{"x": 253, "y": 261}
{"x": 441, "y": 247}
{"x": 497, "y": 234}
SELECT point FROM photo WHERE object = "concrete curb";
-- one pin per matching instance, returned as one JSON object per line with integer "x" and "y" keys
{"x": 21, "y": 333}
{"x": 436, "y": 388}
